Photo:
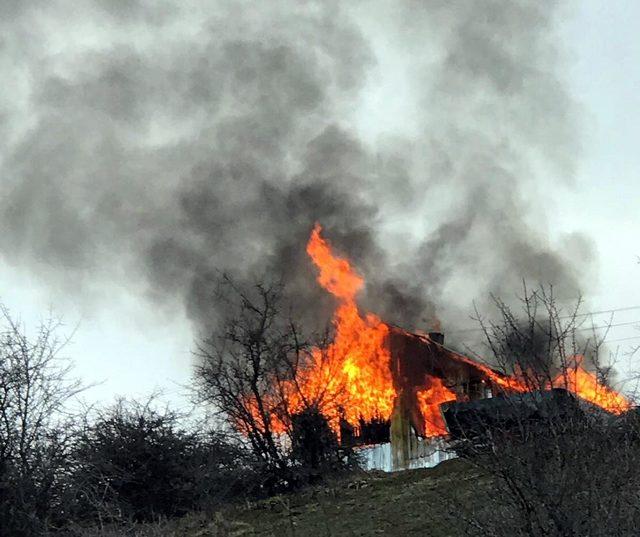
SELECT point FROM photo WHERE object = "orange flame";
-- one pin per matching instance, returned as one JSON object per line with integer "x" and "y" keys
{"x": 336, "y": 274}
{"x": 586, "y": 385}
{"x": 429, "y": 401}
{"x": 572, "y": 377}
{"x": 351, "y": 379}
{"x": 358, "y": 355}
{"x": 505, "y": 382}
{"x": 361, "y": 359}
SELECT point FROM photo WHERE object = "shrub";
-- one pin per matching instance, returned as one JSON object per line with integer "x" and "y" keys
{"x": 137, "y": 463}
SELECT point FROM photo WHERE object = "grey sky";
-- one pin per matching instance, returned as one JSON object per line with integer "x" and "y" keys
{"x": 581, "y": 201}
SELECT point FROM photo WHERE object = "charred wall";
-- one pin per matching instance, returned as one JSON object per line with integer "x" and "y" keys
{"x": 415, "y": 361}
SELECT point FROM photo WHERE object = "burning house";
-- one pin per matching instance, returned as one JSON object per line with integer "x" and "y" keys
{"x": 382, "y": 389}
{"x": 425, "y": 375}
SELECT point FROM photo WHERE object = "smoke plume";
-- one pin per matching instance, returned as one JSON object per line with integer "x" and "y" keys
{"x": 156, "y": 144}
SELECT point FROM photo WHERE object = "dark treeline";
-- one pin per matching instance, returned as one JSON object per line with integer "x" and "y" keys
{"x": 556, "y": 465}
{"x": 65, "y": 471}
{"x": 61, "y": 471}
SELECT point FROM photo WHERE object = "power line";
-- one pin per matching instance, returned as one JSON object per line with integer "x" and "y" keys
{"x": 608, "y": 326}
{"x": 628, "y": 308}
{"x": 615, "y": 340}
{"x": 621, "y": 339}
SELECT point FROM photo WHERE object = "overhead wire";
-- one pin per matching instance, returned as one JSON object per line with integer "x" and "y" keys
{"x": 607, "y": 326}
{"x": 621, "y": 339}
{"x": 586, "y": 314}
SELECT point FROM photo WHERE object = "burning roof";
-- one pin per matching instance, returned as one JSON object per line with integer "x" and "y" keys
{"x": 373, "y": 371}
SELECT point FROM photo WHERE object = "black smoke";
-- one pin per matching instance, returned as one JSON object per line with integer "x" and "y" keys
{"x": 157, "y": 144}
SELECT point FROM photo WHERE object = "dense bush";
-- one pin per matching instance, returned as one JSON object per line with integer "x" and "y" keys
{"x": 31, "y": 498}
{"x": 315, "y": 450}
{"x": 136, "y": 463}
{"x": 64, "y": 472}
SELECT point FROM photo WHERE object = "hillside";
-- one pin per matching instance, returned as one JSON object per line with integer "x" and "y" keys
{"x": 415, "y": 502}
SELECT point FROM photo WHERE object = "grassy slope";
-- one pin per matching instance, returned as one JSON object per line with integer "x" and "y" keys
{"x": 416, "y": 502}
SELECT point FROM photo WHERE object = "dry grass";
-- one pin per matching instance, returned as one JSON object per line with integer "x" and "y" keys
{"x": 416, "y": 502}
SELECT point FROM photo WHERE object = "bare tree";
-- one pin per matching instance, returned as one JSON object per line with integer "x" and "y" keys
{"x": 35, "y": 385}
{"x": 543, "y": 339}
{"x": 251, "y": 369}
{"x": 559, "y": 466}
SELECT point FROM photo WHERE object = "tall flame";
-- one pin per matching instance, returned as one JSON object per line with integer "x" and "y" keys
{"x": 360, "y": 360}
{"x": 336, "y": 274}
{"x": 358, "y": 355}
